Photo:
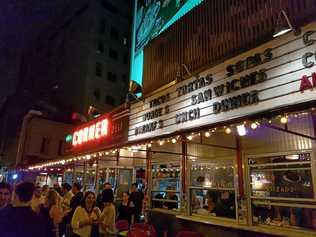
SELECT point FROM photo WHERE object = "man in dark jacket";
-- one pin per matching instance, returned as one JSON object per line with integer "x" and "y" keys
{"x": 100, "y": 203}
{"x": 76, "y": 199}
{"x": 137, "y": 198}
{"x": 19, "y": 219}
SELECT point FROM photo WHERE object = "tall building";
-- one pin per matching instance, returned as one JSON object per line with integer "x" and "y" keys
{"x": 85, "y": 59}
{"x": 79, "y": 62}
{"x": 94, "y": 64}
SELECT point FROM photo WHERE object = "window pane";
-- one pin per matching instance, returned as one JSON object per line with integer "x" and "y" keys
{"x": 114, "y": 33}
{"x": 97, "y": 94}
{"x": 213, "y": 175}
{"x": 280, "y": 215}
{"x": 287, "y": 176}
{"x": 213, "y": 203}
{"x": 113, "y": 54}
{"x": 98, "y": 69}
{"x": 100, "y": 47}
{"x": 166, "y": 177}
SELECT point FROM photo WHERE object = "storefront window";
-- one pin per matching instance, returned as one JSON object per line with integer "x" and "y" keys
{"x": 166, "y": 186}
{"x": 217, "y": 203}
{"x": 286, "y": 176}
{"x": 212, "y": 172}
{"x": 284, "y": 215}
{"x": 166, "y": 177}
{"x": 90, "y": 180}
{"x": 282, "y": 192}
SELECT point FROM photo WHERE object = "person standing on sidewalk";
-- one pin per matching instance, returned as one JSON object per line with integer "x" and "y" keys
{"x": 19, "y": 219}
{"x": 136, "y": 198}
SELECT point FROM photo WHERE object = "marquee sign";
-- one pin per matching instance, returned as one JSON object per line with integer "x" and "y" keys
{"x": 277, "y": 74}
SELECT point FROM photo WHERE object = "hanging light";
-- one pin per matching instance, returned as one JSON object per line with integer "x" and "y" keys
{"x": 241, "y": 129}
{"x": 254, "y": 125}
{"x": 228, "y": 130}
{"x": 149, "y": 145}
{"x": 190, "y": 137}
{"x": 283, "y": 24}
{"x": 173, "y": 140}
{"x": 161, "y": 142}
{"x": 284, "y": 120}
{"x": 207, "y": 134}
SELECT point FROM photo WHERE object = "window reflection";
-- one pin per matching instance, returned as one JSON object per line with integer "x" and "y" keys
{"x": 220, "y": 203}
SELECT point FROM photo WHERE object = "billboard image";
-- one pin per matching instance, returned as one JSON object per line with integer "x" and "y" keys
{"x": 151, "y": 17}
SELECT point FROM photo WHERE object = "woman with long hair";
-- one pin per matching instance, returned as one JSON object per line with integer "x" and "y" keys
{"x": 86, "y": 217}
{"x": 51, "y": 214}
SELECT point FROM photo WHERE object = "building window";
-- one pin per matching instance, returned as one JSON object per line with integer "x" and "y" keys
{"x": 110, "y": 100}
{"x": 102, "y": 26}
{"x": 125, "y": 59}
{"x": 98, "y": 70}
{"x": 113, "y": 54}
{"x": 109, "y": 6}
{"x": 112, "y": 76}
{"x": 60, "y": 147}
{"x": 97, "y": 94}
{"x": 125, "y": 41}
{"x": 124, "y": 77}
{"x": 114, "y": 33}
{"x": 100, "y": 46}
{"x": 44, "y": 146}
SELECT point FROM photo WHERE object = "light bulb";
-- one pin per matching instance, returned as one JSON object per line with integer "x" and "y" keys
{"x": 254, "y": 125}
{"x": 149, "y": 145}
{"x": 189, "y": 137}
{"x": 228, "y": 130}
{"x": 283, "y": 120}
{"x": 241, "y": 129}
{"x": 173, "y": 140}
{"x": 207, "y": 134}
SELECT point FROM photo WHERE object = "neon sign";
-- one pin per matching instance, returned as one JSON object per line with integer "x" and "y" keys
{"x": 91, "y": 132}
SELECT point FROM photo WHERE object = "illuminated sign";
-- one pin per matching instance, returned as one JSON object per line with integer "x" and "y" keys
{"x": 277, "y": 74}
{"x": 91, "y": 132}
{"x": 106, "y": 130}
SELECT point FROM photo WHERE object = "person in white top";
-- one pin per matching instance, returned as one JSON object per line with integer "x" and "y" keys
{"x": 107, "y": 219}
{"x": 67, "y": 196}
{"x": 86, "y": 217}
{"x": 37, "y": 199}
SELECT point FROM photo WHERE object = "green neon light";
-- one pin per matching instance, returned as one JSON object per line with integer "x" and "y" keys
{"x": 68, "y": 138}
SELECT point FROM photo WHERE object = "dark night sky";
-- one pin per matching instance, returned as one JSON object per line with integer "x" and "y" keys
{"x": 21, "y": 23}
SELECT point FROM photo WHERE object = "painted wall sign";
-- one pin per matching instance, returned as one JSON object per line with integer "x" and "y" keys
{"x": 277, "y": 74}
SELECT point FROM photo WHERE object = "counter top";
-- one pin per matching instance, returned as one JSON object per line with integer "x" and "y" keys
{"x": 290, "y": 232}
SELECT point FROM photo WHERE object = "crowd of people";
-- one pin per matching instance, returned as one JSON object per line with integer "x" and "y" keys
{"x": 28, "y": 210}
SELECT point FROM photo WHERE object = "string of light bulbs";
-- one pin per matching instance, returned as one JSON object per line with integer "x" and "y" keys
{"x": 239, "y": 128}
